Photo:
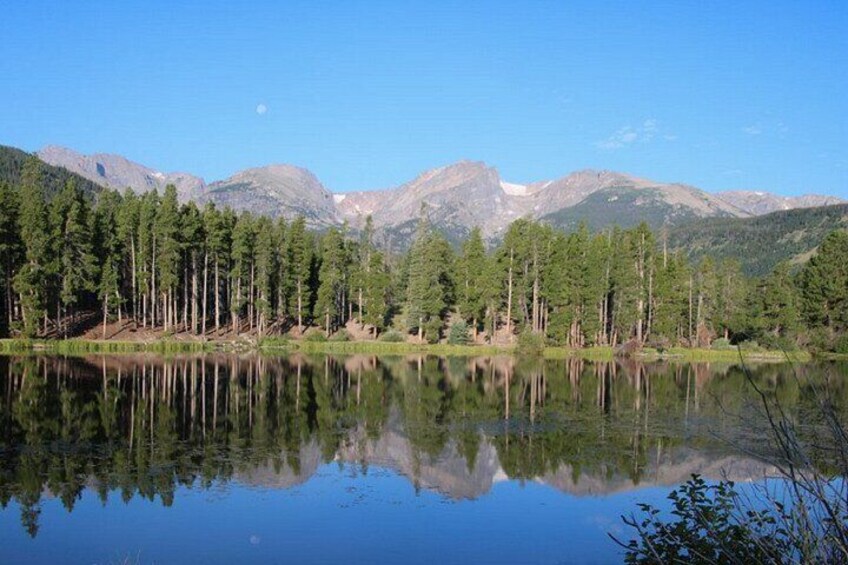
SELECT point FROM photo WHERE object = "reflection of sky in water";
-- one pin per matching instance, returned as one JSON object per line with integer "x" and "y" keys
{"x": 337, "y": 516}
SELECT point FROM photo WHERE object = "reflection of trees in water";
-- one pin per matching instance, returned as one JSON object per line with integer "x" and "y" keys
{"x": 143, "y": 426}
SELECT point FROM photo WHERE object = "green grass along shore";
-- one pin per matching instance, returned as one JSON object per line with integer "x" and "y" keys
{"x": 273, "y": 346}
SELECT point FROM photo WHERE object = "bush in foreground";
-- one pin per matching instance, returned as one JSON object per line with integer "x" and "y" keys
{"x": 799, "y": 517}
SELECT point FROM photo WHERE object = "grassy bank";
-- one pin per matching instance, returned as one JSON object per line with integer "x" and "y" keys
{"x": 281, "y": 346}
{"x": 86, "y": 346}
{"x": 589, "y": 353}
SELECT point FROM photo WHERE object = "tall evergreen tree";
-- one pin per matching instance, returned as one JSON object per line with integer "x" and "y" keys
{"x": 11, "y": 253}
{"x": 331, "y": 275}
{"x": 76, "y": 266}
{"x": 300, "y": 260}
{"x": 426, "y": 292}
{"x": 824, "y": 285}
{"x": 472, "y": 270}
{"x": 33, "y": 279}
{"x": 167, "y": 254}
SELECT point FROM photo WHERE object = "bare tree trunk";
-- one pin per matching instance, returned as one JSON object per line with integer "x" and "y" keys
{"x": 205, "y": 312}
{"x": 690, "y": 311}
{"x": 535, "y": 315}
{"x": 300, "y": 306}
{"x": 105, "y": 313}
{"x": 509, "y": 299}
{"x": 134, "y": 276}
{"x": 153, "y": 288}
{"x": 217, "y": 297}
{"x": 194, "y": 293}
{"x": 251, "y": 311}
{"x": 236, "y": 306}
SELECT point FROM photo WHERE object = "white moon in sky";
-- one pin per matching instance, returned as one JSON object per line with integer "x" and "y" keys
{"x": 261, "y": 109}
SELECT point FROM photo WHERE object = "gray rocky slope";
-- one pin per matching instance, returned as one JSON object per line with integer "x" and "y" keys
{"x": 455, "y": 198}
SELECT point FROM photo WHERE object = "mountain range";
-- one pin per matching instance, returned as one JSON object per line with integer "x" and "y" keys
{"x": 456, "y": 197}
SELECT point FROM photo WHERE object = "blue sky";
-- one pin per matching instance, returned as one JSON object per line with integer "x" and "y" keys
{"x": 369, "y": 94}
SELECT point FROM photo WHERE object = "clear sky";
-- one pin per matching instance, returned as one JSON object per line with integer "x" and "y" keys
{"x": 368, "y": 94}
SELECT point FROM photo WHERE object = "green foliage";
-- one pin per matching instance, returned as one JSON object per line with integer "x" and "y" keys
{"x": 315, "y": 336}
{"x": 429, "y": 286}
{"x": 340, "y": 335}
{"x": 530, "y": 344}
{"x": 722, "y": 344}
{"x": 173, "y": 268}
{"x": 762, "y": 242}
{"x": 840, "y": 345}
{"x": 392, "y": 336}
{"x": 458, "y": 333}
{"x": 706, "y": 528}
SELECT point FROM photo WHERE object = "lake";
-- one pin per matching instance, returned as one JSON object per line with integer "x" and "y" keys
{"x": 364, "y": 459}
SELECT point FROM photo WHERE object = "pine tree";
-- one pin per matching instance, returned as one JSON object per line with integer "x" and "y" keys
{"x": 428, "y": 287}
{"x": 192, "y": 238}
{"x": 300, "y": 260}
{"x": 108, "y": 250}
{"x": 33, "y": 278}
{"x": 266, "y": 252}
{"x": 76, "y": 268}
{"x": 167, "y": 254}
{"x": 823, "y": 285}
{"x": 671, "y": 299}
{"x": 128, "y": 231}
{"x": 472, "y": 270}
{"x": 731, "y": 288}
{"x": 706, "y": 284}
{"x": 11, "y": 253}
{"x": 218, "y": 233}
{"x": 376, "y": 292}
{"x": 773, "y": 307}
{"x": 241, "y": 276}
{"x": 147, "y": 250}
{"x": 331, "y": 277}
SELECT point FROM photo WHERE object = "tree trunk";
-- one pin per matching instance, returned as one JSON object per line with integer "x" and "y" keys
{"x": 217, "y": 297}
{"x": 194, "y": 293}
{"x": 509, "y": 300}
{"x": 205, "y": 312}
{"x": 105, "y": 313}
{"x": 299, "y": 306}
{"x": 134, "y": 276}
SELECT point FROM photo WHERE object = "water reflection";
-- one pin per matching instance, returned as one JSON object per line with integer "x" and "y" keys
{"x": 144, "y": 426}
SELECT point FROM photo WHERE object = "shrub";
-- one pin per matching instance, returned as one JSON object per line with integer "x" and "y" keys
{"x": 340, "y": 335}
{"x": 530, "y": 343}
{"x": 777, "y": 342}
{"x": 458, "y": 334}
{"x": 840, "y": 345}
{"x": 392, "y": 336}
{"x": 722, "y": 344}
{"x": 315, "y": 336}
{"x": 750, "y": 345}
{"x": 803, "y": 520}
{"x": 706, "y": 528}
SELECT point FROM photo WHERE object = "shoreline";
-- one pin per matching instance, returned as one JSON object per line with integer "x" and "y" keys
{"x": 271, "y": 346}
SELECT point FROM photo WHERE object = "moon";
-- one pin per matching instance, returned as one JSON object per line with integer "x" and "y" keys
{"x": 261, "y": 109}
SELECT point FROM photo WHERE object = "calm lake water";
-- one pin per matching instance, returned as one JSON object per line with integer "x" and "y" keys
{"x": 361, "y": 459}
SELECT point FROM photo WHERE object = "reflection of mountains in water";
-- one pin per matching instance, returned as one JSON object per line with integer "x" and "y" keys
{"x": 142, "y": 425}
{"x": 450, "y": 474}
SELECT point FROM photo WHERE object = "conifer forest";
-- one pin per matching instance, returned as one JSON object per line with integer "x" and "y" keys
{"x": 145, "y": 261}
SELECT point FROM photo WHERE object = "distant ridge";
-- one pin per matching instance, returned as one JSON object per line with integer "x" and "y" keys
{"x": 54, "y": 178}
{"x": 465, "y": 194}
{"x": 761, "y": 242}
